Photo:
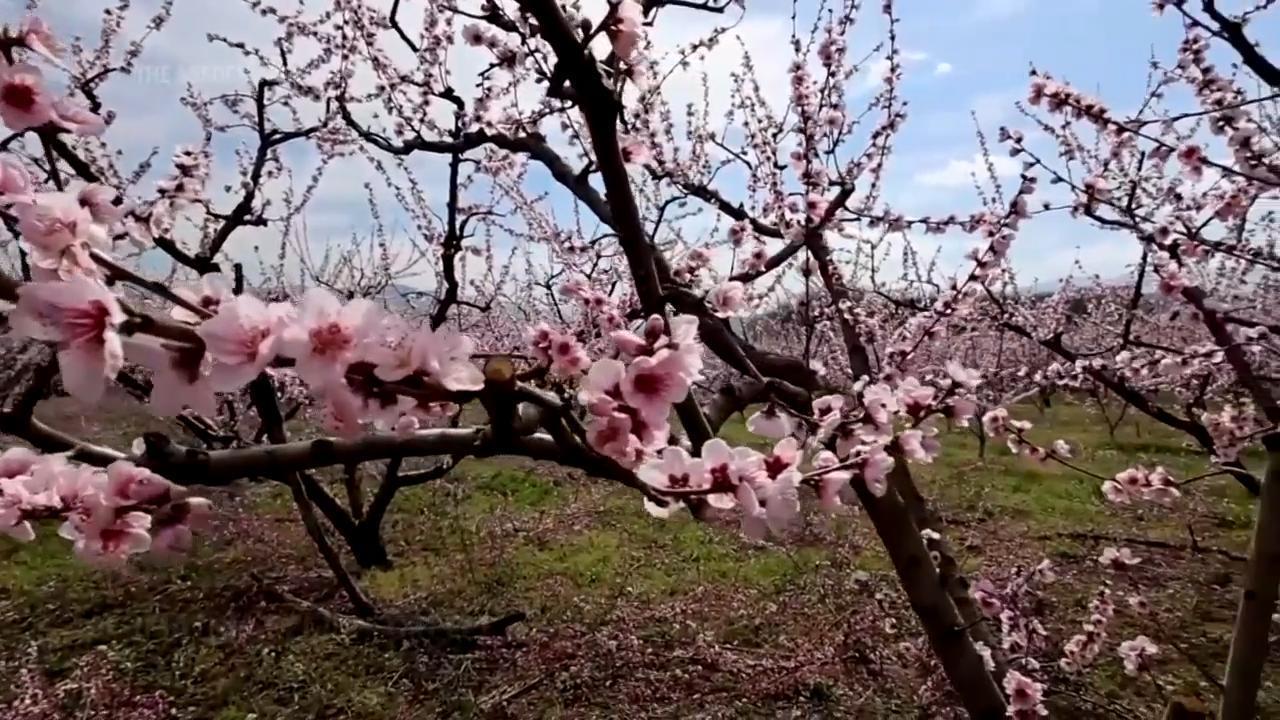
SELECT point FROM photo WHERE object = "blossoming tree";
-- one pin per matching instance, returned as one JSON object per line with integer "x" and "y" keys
{"x": 612, "y": 323}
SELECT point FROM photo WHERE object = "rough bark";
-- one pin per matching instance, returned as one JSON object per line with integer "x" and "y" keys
{"x": 956, "y": 584}
{"x": 1250, "y": 640}
{"x": 932, "y": 604}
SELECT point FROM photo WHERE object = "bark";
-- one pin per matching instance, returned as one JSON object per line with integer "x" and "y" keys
{"x": 956, "y": 584}
{"x": 1250, "y": 640}
{"x": 26, "y": 368}
{"x": 932, "y": 604}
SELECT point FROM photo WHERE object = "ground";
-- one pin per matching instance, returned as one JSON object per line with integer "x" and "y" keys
{"x": 629, "y": 615}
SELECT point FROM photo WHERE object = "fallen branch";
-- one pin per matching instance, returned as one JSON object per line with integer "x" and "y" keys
{"x": 1145, "y": 542}
{"x": 437, "y": 634}
{"x": 501, "y": 697}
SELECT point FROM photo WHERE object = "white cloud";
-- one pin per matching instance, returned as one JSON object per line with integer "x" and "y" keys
{"x": 942, "y": 68}
{"x": 878, "y": 69}
{"x": 959, "y": 173}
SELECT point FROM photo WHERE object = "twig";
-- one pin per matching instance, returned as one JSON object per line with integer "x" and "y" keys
{"x": 1145, "y": 542}
{"x": 443, "y": 634}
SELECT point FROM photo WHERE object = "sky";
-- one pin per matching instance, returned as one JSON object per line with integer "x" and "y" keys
{"x": 961, "y": 57}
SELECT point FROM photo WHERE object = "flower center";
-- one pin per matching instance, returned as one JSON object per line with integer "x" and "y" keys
{"x": 650, "y": 384}
{"x": 721, "y": 478}
{"x": 87, "y": 325}
{"x": 775, "y": 465}
{"x": 19, "y": 96}
{"x": 329, "y": 340}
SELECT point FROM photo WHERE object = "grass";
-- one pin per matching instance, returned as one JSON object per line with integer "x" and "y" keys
{"x": 626, "y": 611}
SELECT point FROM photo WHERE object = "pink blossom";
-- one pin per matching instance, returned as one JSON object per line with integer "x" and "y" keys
{"x": 81, "y": 316}
{"x": 961, "y": 410}
{"x": 816, "y": 206}
{"x": 568, "y": 358}
{"x": 76, "y": 117}
{"x": 915, "y": 398}
{"x": 322, "y": 339}
{"x": 653, "y": 384}
{"x": 342, "y": 412}
{"x": 635, "y": 151}
{"x": 626, "y": 29}
{"x": 17, "y": 461}
{"x": 674, "y": 469}
{"x": 728, "y": 469}
{"x": 208, "y": 295}
{"x": 60, "y": 232}
{"x": 539, "y": 339}
{"x": 1192, "y": 158}
{"x": 24, "y": 101}
{"x": 630, "y": 344}
{"x": 445, "y": 356}
{"x": 601, "y": 389}
{"x": 39, "y": 38}
{"x": 14, "y": 504}
{"x": 1136, "y": 654}
{"x": 880, "y": 403}
{"x": 15, "y": 181}
{"x": 770, "y": 422}
{"x": 995, "y": 422}
{"x": 1138, "y": 483}
{"x": 101, "y": 533}
{"x": 1025, "y": 695}
{"x": 241, "y": 339}
{"x": 875, "y": 471}
{"x": 610, "y": 434}
{"x": 919, "y": 445}
{"x": 783, "y": 459}
{"x": 128, "y": 484}
{"x": 172, "y": 533}
{"x": 1115, "y": 492}
{"x": 682, "y": 339}
{"x": 828, "y": 405}
{"x": 964, "y": 377}
{"x": 831, "y": 482}
{"x": 473, "y": 34}
{"x": 1121, "y": 559}
{"x": 728, "y": 299}
{"x": 781, "y": 499}
{"x": 179, "y": 377}
{"x": 386, "y": 341}
{"x": 984, "y": 593}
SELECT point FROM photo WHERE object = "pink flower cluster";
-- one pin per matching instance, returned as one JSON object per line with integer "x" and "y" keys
{"x": 1137, "y": 654}
{"x": 1026, "y": 696}
{"x": 25, "y": 102}
{"x": 562, "y": 352}
{"x": 1138, "y": 483}
{"x": 1083, "y": 648}
{"x": 630, "y": 397}
{"x": 841, "y": 441}
{"x": 108, "y": 515}
{"x": 328, "y": 340}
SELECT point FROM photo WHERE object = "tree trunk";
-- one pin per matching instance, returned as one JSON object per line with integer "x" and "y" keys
{"x": 1250, "y": 640}
{"x": 956, "y": 584}
{"x": 929, "y": 600}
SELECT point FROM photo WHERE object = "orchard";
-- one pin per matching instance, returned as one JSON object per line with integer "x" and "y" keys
{"x": 582, "y": 269}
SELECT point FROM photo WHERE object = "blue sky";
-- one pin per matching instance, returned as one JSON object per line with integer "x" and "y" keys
{"x": 961, "y": 56}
